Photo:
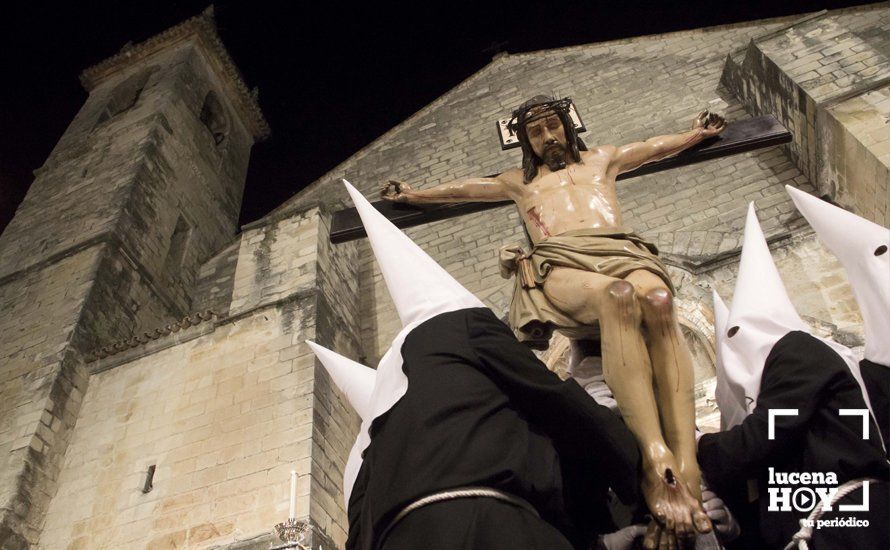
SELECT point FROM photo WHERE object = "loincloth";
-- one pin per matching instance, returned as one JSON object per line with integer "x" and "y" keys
{"x": 611, "y": 252}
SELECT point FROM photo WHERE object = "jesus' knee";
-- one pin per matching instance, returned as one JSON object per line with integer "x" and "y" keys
{"x": 622, "y": 304}
{"x": 658, "y": 308}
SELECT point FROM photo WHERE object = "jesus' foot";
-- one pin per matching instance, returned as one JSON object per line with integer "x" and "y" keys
{"x": 691, "y": 474}
{"x": 672, "y": 504}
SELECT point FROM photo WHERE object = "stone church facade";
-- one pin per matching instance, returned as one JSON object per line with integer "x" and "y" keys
{"x": 155, "y": 390}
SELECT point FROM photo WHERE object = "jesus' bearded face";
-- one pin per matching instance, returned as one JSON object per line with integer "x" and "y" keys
{"x": 547, "y": 137}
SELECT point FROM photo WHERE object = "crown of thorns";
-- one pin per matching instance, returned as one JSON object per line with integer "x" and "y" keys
{"x": 524, "y": 115}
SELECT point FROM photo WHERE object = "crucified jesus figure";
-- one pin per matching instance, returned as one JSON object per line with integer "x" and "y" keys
{"x": 586, "y": 276}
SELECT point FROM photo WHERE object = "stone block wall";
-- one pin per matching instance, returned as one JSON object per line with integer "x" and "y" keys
{"x": 825, "y": 77}
{"x": 858, "y": 149}
{"x": 815, "y": 282}
{"x": 41, "y": 386}
{"x": 216, "y": 279}
{"x": 224, "y": 410}
{"x": 293, "y": 256}
{"x": 276, "y": 261}
{"x": 224, "y": 418}
{"x": 54, "y": 313}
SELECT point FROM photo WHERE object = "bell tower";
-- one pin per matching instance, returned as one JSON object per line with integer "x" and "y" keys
{"x": 143, "y": 187}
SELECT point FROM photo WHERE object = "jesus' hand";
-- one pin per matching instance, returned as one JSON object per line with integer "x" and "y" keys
{"x": 710, "y": 124}
{"x": 395, "y": 191}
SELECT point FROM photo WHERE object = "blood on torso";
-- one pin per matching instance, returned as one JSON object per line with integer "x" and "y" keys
{"x": 579, "y": 196}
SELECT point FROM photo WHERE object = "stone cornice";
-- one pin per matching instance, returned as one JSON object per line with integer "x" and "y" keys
{"x": 145, "y": 337}
{"x": 200, "y": 29}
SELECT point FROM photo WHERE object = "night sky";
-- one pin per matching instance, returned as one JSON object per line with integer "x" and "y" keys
{"x": 332, "y": 76}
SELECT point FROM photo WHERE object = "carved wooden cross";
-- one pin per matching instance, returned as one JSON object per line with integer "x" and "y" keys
{"x": 738, "y": 137}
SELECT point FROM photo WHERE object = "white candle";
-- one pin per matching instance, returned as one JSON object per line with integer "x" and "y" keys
{"x": 293, "y": 494}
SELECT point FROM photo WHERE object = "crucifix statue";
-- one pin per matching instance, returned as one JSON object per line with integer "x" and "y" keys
{"x": 589, "y": 277}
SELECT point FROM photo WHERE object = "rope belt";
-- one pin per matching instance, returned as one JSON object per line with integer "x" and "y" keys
{"x": 453, "y": 494}
{"x": 799, "y": 540}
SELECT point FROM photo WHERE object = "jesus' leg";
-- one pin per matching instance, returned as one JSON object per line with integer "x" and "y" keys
{"x": 588, "y": 298}
{"x": 672, "y": 367}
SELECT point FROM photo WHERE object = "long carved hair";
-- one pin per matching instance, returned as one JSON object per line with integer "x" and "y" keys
{"x": 523, "y": 115}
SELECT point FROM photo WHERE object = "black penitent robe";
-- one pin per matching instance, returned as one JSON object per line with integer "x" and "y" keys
{"x": 482, "y": 410}
{"x": 877, "y": 383}
{"x": 803, "y": 373}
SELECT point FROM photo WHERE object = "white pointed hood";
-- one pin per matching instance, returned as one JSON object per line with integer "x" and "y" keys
{"x": 355, "y": 380}
{"x": 729, "y": 393}
{"x": 862, "y": 248}
{"x": 760, "y": 315}
{"x": 421, "y": 290}
{"x": 417, "y": 284}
